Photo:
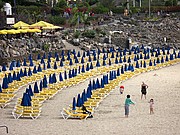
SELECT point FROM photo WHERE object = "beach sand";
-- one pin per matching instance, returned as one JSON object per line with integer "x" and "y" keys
{"x": 164, "y": 88}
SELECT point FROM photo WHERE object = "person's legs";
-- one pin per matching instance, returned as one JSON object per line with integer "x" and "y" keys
{"x": 126, "y": 111}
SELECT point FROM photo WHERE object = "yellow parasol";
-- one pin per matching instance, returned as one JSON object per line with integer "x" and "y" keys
{"x": 21, "y": 24}
{"x": 42, "y": 24}
{"x": 33, "y": 30}
{"x": 2, "y": 32}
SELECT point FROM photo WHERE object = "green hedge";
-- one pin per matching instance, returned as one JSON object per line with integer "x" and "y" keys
{"x": 89, "y": 34}
{"x": 100, "y": 9}
{"x": 57, "y": 20}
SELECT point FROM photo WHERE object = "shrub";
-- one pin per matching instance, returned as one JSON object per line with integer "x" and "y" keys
{"x": 89, "y": 34}
{"x": 100, "y": 9}
{"x": 57, "y": 11}
{"x": 76, "y": 34}
{"x": 118, "y": 10}
{"x": 57, "y": 20}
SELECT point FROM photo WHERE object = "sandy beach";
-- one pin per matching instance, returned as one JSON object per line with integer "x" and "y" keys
{"x": 164, "y": 85}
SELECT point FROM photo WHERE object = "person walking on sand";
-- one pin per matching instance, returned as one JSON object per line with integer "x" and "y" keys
{"x": 127, "y": 103}
{"x": 143, "y": 90}
{"x": 151, "y": 105}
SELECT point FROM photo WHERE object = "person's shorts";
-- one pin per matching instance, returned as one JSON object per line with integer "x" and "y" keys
{"x": 144, "y": 93}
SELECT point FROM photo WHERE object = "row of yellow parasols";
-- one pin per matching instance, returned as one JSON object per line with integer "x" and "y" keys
{"x": 40, "y": 24}
{"x": 26, "y": 28}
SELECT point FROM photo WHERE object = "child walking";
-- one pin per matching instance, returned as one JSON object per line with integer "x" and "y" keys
{"x": 151, "y": 105}
{"x": 127, "y": 103}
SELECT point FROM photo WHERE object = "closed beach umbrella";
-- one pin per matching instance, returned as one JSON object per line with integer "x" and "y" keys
{"x": 48, "y": 65}
{"x": 141, "y": 56}
{"x": 39, "y": 68}
{"x": 18, "y": 76}
{"x": 104, "y": 56}
{"x": 61, "y": 63}
{"x": 57, "y": 57}
{"x": 118, "y": 72}
{"x": 154, "y": 62}
{"x": 21, "y": 73}
{"x": 10, "y": 79}
{"x": 44, "y": 56}
{"x": 70, "y": 75}
{"x": 120, "y": 60}
{"x": 38, "y": 57}
{"x": 91, "y": 66}
{"x": 125, "y": 67}
{"x": 65, "y": 75}
{"x": 60, "y": 77}
{"x": 78, "y": 55}
{"x": 135, "y": 58}
{"x": 144, "y": 65}
{"x": 50, "y": 79}
{"x": 11, "y": 66}
{"x": 14, "y": 76}
{"x": 5, "y": 82}
{"x": 112, "y": 55}
{"x": 129, "y": 60}
{"x": 84, "y": 54}
{"x": 94, "y": 58}
{"x": 44, "y": 66}
{"x": 179, "y": 54}
{"x": 55, "y": 65}
{"x": 30, "y": 57}
{"x": 42, "y": 60}
{"x": 44, "y": 82}
{"x": 25, "y": 100}
{"x": 4, "y": 68}
{"x": 31, "y": 63}
{"x": 97, "y": 63}
{"x": 102, "y": 83}
{"x": 36, "y": 90}
{"x": 122, "y": 70}
{"x": 24, "y": 62}
{"x": 18, "y": 64}
{"x": 124, "y": 52}
{"x": 83, "y": 70}
{"x": 62, "y": 53}
{"x": 68, "y": 56}
{"x": 129, "y": 66}
{"x": 158, "y": 60}
{"x": 117, "y": 54}
{"x": 89, "y": 92}
{"x": 162, "y": 59}
{"x": 40, "y": 85}
{"x": 137, "y": 64}
{"x": 74, "y": 104}
{"x": 76, "y": 60}
{"x": 79, "y": 70}
{"x": 0, "y": 89}
{"x": 104, "y": 63}
{"x": 79, "y": 102}
{"x": 82, "y": 60}
{"x": 132, "y": 68}
{"x": 87, "y": 67}
{"x": 116, "y": 61}
{"x": 171, "y": 57}
{"x": 97, "y": 83}
{"x": 124, "y": 60}
{"x": 30, "y": 91}
{"x": 109, "y": 62}
{"x": 89, "y": 58}
{"x": 34, "y": 70}
{"x": 70, "y": 62}
{"x": 150, "y": 63}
